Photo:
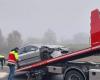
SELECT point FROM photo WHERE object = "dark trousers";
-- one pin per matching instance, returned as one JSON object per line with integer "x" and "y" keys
{"x": 2, "y": 60}
{"x": 12, "y": 72}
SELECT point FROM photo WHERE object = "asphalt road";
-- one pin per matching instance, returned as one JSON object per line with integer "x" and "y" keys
{"x": 4, "y": 74}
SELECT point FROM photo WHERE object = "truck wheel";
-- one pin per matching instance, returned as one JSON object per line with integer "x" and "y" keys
{"x": 74, "y": 75}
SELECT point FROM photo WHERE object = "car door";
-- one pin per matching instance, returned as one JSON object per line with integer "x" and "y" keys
{"x": 29, "y": 55}
{"x": 22, "y": 56}
{"x": 33, "y": 54}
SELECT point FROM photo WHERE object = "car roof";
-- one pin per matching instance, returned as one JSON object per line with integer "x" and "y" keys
{"x": 47, "y": 45}
{"x": 54, "y": 46}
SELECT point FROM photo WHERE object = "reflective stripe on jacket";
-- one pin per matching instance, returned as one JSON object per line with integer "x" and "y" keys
{"x": 13, "y": 57}
{"x": 1, "y": 56}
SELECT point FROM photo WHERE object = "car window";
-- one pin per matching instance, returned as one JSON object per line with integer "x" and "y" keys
{"x": 22, "y": 50}
{"x": 28, "y": 49}
{"x": 31, "y": 48}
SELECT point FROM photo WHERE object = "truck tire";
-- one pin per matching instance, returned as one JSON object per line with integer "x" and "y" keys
{"x": 74, "y": 75}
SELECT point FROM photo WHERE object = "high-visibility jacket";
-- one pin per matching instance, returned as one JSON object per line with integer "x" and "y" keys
{"x": 13, "y": 57}
{"x": 1, "y": 56}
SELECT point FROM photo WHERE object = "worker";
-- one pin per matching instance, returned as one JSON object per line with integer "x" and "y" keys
{"x": 2, "y": 60}
{"x": 12, "y": 60}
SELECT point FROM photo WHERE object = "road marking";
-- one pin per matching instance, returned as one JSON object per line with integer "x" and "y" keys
{"x": 3, "y": 74}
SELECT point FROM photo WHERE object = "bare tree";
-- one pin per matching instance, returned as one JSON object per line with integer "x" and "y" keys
{"x": 78, "y": 42}
{"x": 49, "y": 37}
{"x": 2, "y": 42}
{"x": 81, "y": 38}
{"x": 14, "y": 39}
{"x": 33, "y": 41}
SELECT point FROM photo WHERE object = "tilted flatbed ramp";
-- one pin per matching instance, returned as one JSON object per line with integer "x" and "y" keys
{"x": 61, "y": 58}
{"x": 90, "y": 59}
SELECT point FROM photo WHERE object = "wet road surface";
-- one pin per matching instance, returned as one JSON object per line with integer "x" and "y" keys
{"x": 5, "y": 71}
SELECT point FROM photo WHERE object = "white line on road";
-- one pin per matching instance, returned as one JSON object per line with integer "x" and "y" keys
{"x": 3, "y": 74}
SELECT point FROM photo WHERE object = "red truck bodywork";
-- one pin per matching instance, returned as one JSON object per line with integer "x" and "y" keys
{"x": 95, "y": 28}
{"x": 95, "y": 45}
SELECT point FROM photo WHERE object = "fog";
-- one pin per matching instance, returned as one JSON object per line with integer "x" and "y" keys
{"x": 33, "y": 17}
{"x": 52, "y": 21}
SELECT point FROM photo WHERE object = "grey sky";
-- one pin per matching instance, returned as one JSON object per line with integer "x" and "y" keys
{"x": 33, "y": 17}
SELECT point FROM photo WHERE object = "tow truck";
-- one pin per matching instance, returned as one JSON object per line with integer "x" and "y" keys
{"x": 78, "y": 65}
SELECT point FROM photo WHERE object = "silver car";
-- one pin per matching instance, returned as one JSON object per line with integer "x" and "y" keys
{"x": 28, "y": 54}
{"x": 32, "y": 53}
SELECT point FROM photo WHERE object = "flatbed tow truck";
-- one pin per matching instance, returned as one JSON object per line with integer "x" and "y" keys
{"x": 79, "y": 65}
